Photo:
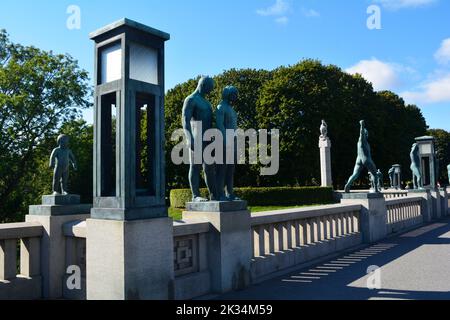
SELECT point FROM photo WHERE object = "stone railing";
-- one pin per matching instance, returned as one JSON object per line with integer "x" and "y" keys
{"x": 404, "y": 213}
{"x": 25, "y": 281}
{"x": 394, "y": 194}
{"x": 192, "y": 278}
{"x": 286, "y": 238}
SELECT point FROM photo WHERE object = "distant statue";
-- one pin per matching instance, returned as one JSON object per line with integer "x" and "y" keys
{"x": 380, "y": 179}
{"x": 324, "y": 130}
{"x": 364, "y": 160}
{"x": 197, "y": 108}
{"x": 226, "y": 119}
{"x": 415, "y": 167}
{"x": 372, "y": 181}
{"x": 392, "y": 177}
{"x": 60, "y": 160}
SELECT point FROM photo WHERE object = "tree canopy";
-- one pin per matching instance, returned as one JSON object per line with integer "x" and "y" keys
{"x": 39, "y": 92}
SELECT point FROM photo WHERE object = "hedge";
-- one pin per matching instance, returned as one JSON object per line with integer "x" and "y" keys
{"x": 279, "y": 196}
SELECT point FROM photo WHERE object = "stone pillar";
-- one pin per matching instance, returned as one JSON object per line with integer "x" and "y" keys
{"x": 444, "y": 202}
{"x": 373, "y": 217}
{"x": 129, "y": 260}
{"x": 229, "y": 244}
{"x": 325, "y": 162}
{"x": 427, "y": 205}
{"x": 437, "y": 209}
{"x": 130, "y": 236}
{"x": 54, "y": 212}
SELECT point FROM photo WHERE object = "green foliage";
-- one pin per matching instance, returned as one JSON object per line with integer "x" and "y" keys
{"x": 443, "y": 152}
{"x": 39, "y": 91}
{"x": 282, "y": 196}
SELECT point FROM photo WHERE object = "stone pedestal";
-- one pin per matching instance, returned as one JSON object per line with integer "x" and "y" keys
{"x": 437, "y": 205}
{"x": 54, "y": 212}
{"x": 229, "y": 244}
{"x": 373, "y": 218}
{"x": 325, "y": 162}
{"x": 129, "y": 260}
{"x": 427, "y": 205}
{"x": 59, "y": 205}
{"x": 444, "y": 201}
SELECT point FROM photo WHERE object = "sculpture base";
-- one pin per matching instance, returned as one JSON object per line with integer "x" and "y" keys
{"x": 229, "y": 246}
{"x": 373, "y": 215}
{"x": 61, "y": 200}
{"x": 361, "y": 196}
{"x": 129, "y": 260}
{"x": 217, "y": 206}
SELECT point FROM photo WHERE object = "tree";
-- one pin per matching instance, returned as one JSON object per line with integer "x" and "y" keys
{"x": 39, "y": 91}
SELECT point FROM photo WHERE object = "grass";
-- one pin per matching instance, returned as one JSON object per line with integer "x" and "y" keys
{"x": 176, "y": 214}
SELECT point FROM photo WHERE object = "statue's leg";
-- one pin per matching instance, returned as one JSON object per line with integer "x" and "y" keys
{"x": 229, "y": 184}
{"x": 373, "y": 170}
{"x": 220, "y": 185}
{"x": 56, "y": 181}
{"x": 352, "y": 179}
{"x": 419, "y": 180}
{"x": 194, "y": 180}
{"x": 65, "y": 182}
{"x": 210, "y": 179}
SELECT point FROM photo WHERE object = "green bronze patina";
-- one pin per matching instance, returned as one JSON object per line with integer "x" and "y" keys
{"x": 364, "y": 160}
{"x": 197, "y": 108}
{"x": 226, "y": 119}
{"x": 415, "y": 167}
{"x": 60, "y": 160}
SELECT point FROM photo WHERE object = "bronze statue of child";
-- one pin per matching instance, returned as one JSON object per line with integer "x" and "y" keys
{"x": 60, "y": 160}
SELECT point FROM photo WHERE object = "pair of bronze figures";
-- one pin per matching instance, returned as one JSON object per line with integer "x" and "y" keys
{"x": 219, "y": 178}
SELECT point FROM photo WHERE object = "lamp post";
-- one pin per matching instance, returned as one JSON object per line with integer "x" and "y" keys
{"x": 129, "y": 235}
{"x": 428, "y": 163}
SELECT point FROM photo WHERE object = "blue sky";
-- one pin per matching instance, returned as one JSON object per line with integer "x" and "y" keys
{"x": 409, "y": 55}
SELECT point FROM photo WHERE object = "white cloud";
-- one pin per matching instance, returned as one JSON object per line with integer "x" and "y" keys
{"x": 442, "y": 56}
{"x": 432, "y": 91}
{"x": 310, "y": 13}
{"x": 382, "y": 75}
{"x": 279, "y": 8}
{"x": 401, "y": 4}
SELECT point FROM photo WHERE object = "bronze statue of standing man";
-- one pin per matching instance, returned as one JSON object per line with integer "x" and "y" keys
{"x": 197, "y": 109}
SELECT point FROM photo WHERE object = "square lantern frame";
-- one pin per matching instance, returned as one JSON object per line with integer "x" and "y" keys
{"x": 428, "y": 161}
{"x": 397, "y": 176}
{"x": 120, "y": 191}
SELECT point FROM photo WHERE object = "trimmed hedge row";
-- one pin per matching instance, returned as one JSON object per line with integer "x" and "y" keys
{"x": 279, "y": 196}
